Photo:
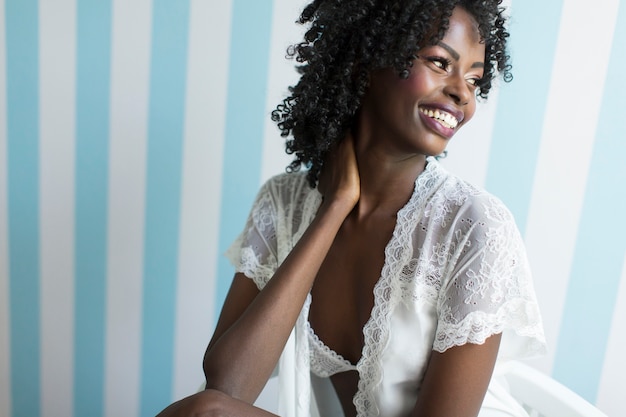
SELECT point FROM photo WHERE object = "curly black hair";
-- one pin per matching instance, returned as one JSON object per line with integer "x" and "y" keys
{"x": 346, "y": 41}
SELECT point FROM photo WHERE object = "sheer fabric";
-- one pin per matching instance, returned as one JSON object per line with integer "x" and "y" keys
{"x": 455, "y": 272}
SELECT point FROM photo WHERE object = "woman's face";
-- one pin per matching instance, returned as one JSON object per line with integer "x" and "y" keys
{"x": 421, "y": 113}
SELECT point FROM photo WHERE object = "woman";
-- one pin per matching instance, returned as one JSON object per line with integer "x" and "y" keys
{"x": 402, "y": 286}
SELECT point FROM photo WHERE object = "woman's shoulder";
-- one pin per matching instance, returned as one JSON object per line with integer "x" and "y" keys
{"x": 286, "y": 183}
{"x": 465, "y": 199}
{"x": 288, "y": 190}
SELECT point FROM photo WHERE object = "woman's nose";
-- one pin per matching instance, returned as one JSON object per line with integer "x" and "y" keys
{"x": 458, "y": 89}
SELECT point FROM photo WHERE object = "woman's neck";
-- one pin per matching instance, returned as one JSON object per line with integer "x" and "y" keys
{"x": 387, "y": 179}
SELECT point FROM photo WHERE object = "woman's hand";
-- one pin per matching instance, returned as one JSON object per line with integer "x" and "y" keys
{"x": 339, "y": 179}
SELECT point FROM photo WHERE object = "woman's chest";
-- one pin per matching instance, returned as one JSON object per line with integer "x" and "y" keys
{"x": 343, "y": 292}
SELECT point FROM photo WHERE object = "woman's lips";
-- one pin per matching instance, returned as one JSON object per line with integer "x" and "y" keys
{"x": 444, "y": 117}
{"x": 440, "y": 121}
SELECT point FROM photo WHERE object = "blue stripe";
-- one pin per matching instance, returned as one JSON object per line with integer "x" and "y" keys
{"x": 600, "y": 245}
{"x": 522, "y": 104}
{"x": 245, "y": 117}
{"x": 165, "y": 142}
{"x": 92, "y": 152}
{"x": 23, "y": 205}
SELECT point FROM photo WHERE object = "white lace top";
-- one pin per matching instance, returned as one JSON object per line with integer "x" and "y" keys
{"x": 455, "y": 272}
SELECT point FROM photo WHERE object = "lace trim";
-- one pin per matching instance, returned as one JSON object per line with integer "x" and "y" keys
{"x": 325, "y": 362}
{"x": 376, "y": 330}
{"x": 521, "y": 316}
{"x": 245, "y": 261}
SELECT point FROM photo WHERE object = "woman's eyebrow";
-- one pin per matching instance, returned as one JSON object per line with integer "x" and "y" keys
{"x": 455, "y": 55}
{"x": 450, "y": 50}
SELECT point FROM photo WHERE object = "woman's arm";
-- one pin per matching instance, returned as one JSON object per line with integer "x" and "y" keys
{"x": 255, "y": 326}
{"x": 456, "y": 380}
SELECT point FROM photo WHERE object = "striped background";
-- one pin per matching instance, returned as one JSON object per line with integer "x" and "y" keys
{"x": 135, "y": 133}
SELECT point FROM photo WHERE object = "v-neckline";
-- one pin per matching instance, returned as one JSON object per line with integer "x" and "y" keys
{"x": 418, "y": 195}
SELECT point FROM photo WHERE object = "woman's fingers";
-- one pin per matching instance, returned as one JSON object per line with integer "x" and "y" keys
{"x": 340, "y": 179}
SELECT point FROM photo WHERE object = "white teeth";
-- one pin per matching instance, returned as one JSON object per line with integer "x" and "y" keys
{"x": 446, "y": 119}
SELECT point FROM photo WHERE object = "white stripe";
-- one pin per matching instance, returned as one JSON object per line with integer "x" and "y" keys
{"x": 609, "y": 400}
{"x": 207, "y": 80}
{"x": 130, "y": 74}
{"x": 57, "y": 73}
{"x": 281, "y": 74}
{"x": 5, "y": 327}
{"x": 571, "y": 117}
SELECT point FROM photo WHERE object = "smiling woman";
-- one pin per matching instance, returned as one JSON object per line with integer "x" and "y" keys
{"x": 357, "y": 41}
{"x": 404, "y": 286}
{"x": 101, "y": 329}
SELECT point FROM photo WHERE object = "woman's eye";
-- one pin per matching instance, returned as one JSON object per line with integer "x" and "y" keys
{"x": 473, "y": 81}
{"x": 440, "y": 63}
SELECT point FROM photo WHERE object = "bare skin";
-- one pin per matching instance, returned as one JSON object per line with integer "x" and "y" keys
{"x": 367, "y": 180}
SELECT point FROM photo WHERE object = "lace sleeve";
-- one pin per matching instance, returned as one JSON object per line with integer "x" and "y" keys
{"x": 254, "y": 251}
{"x": 490, "y": 288}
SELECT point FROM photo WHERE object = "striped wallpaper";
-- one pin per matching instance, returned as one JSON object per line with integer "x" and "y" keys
{"x": 135, "y": 133}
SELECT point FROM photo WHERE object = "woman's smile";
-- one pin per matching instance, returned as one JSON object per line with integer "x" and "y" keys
{"x": 442, "y": 120}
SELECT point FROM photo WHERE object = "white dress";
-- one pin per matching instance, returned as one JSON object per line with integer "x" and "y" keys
{"x": 455, "y": 272}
